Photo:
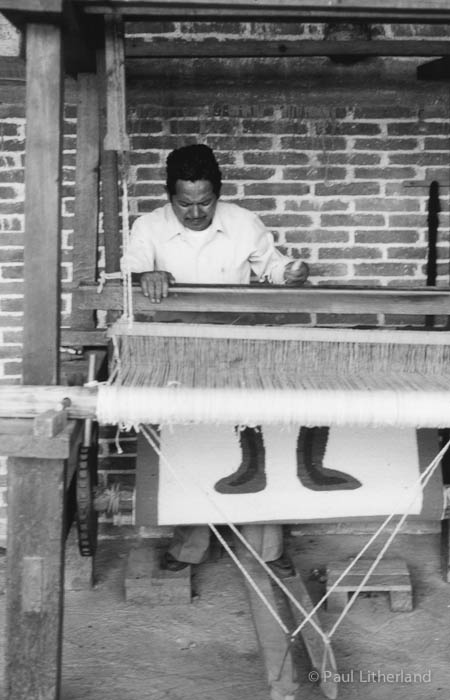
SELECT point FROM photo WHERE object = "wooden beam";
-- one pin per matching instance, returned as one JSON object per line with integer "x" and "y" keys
{"x": 261, "y": 299}
{"x": 45, "y": 7}
{"x": 42, "y": 204}
{"x": 354, "y": 5}
{"x": 248, "y": 48}
{"x": 35, "y": 576}
{"x": 273, "y": 10}
{"x": 86, "y": 192}
{"x": 116, "y": 136}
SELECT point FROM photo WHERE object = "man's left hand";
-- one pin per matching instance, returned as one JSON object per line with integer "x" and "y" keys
{"x": 296, "y": 273}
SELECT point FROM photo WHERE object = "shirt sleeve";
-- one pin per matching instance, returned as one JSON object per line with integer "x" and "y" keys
{"x": 140, "y": 253}
{"x": 265, "y": 260}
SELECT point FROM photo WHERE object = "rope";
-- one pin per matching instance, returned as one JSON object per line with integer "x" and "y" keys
{"x": 308, "y": 616}
{"x": 152, "y": 439}
{"x": 422, "y": 481}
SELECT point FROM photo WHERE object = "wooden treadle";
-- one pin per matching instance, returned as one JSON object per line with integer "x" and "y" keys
{"x": 391, "y": 576}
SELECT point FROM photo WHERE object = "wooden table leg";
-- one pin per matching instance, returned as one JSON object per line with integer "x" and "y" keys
{"x": 35, "y": 577}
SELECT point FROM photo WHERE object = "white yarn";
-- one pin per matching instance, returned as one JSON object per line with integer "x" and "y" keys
{"x": 415, "y": 406}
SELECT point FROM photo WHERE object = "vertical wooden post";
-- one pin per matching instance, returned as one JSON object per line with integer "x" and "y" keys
{"x": 35, "y": 569}
{"x": 115, "y": 139}
{"x": 86, "y": 191}
{"x": 44, "y": 84}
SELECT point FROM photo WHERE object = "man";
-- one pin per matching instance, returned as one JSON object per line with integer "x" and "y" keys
{"x": 198, "y": 239}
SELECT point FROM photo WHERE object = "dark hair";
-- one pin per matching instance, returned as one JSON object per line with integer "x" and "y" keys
{"x": 194, "y": 162}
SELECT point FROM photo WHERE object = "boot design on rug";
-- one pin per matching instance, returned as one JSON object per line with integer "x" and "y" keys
{"x": 311, "y": 446}
{"x": 251, "y": 475}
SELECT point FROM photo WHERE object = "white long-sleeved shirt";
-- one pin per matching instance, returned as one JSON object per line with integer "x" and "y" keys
{"x": 236, "y": 243}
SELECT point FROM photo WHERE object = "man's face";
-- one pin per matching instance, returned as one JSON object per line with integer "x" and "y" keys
{"x": 194, "y": 203}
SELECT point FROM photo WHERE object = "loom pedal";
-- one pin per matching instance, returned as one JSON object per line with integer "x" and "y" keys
{"x": 147, "y": 583}
{"x": 391, "y": 576}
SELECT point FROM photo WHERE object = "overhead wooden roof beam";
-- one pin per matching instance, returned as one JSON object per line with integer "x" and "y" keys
{"x": 253, "y": 48}
{"x": 409, "y": 11}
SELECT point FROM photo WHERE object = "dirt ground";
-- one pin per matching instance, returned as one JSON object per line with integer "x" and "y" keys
{"x": 207, "y": 650}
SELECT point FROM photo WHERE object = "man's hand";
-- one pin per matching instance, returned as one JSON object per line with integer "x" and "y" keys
{"x": 296, "y": 273}
{"x": 155, "y": 285}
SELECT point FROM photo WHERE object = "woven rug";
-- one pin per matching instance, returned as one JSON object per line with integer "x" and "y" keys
{"x": 270, "y": 474}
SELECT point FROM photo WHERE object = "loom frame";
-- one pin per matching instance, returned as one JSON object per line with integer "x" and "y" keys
{"x": 60, "y": 37}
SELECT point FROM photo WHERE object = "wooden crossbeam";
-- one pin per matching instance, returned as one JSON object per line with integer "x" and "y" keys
{"x": 435, "y": 11}
{"x": 271, "y": 299}
{"x": 254, "y": 48}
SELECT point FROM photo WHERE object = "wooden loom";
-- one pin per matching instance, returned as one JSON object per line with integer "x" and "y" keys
{"x": 41, "y": 459}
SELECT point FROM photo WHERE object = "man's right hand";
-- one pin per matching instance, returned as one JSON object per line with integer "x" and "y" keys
{"x": 155, "y": 285}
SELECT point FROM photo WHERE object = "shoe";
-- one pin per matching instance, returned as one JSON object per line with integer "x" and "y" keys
{"x": 169, "y": 563}
{"x": 283, "y": 567}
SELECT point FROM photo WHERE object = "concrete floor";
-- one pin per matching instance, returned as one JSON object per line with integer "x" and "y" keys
{"x": 207, "y": 650}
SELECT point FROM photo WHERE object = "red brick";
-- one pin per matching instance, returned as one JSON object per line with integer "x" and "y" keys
{"x": 164, "y": 142}
{"x": 352, "y": 129}
{"x": 406, "y": 220}
{"x": 314, "y": 173}
{"x": 243, "y": 173}
{"x": 385, "y": 144}
{"x": 276, "y": 158}
{"x": 12, "y": 368}
{"x": 314, "y": 143}
{"x": 384, "y": 237}
{"x": 317, "y": 236}
{"x": 439, "y": 174}
{"x": 333, "y": 205}
{"x": 12, "y": 336}
{"x": 385, "y": 111}
{"x": 11, "y": 255}
{"x": 386, "y": 204}
{"x": 11, "y": 305}
{"x": 410, "y": 253}
{"x": 384, "y": 173}
{"x": 10, "y": 351}
{"x": 257, "y": 204}
{"x": 8, "y": 193}
{"x": 339, "y": 253}
{"x": 12, "y": 111}
{"x": 269, "y": 126}
{"x": 7, "y": 321}
{"x": 347, "y": 189}
{"x": 322, "y": 270}
{"x": 385, "y": 269}
{"x": 276, "y": 189}
{"x": 281, "y": 220}
{"x": 257, "y": 143}
{"x": 179, "y": 126}
{"x": 436, "y": 144}
{"x": 415, "y": 128}
{"x": 352, "y": 220}
{"x": 143, "y": 174}
{"x": 11, "y": 272}
{"x": 146, "y": 158}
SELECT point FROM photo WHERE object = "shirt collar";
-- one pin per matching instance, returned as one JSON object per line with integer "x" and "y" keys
{"x": 176, "y": 228}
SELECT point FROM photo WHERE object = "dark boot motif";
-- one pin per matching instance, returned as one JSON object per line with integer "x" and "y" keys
{"x": 251, "y": 475}
{"x": 311, "y": 445}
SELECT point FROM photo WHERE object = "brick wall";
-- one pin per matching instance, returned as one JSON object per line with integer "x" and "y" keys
{"x": 336, "y": 159}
